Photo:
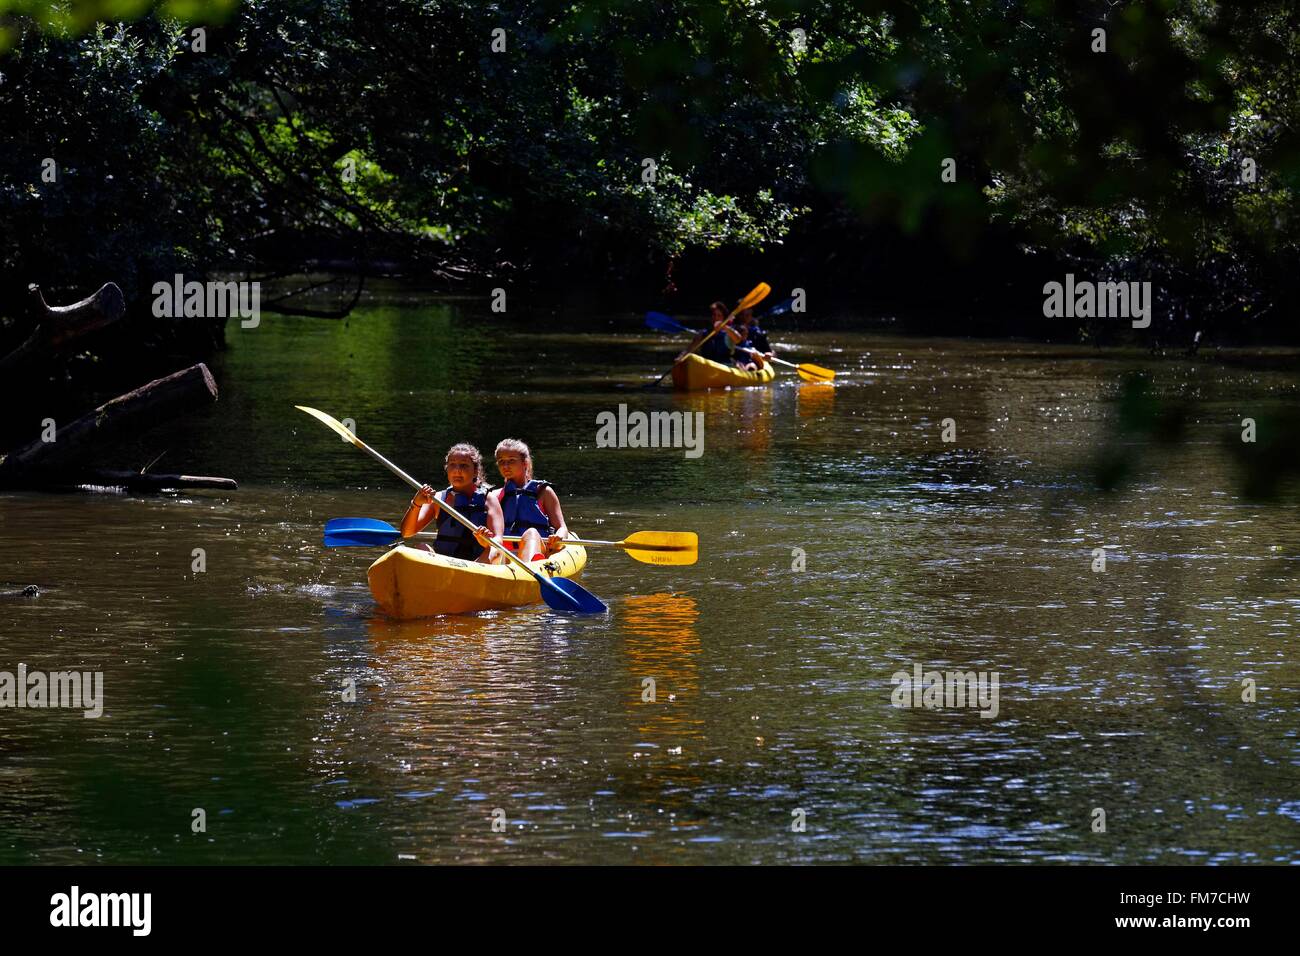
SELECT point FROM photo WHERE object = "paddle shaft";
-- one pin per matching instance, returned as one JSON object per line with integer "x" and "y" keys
{"x": 772, "y": 359}
{"x": 586, "y": 543}
{"x": 807, "y": 371}
{"x": 648, "y": 547}
{"x": 583, "y": 542}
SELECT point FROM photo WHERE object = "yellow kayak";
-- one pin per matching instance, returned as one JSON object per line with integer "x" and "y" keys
{"x": 410, "y": 582}
{"x": 696, "y": 372}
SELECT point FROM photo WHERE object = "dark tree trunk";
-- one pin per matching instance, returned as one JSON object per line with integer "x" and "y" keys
{"x": 44, "y": 462}
{"x": 60, "y": 328}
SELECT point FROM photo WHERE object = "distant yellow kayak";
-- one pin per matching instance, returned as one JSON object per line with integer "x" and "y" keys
{"x": 408, "y": 583}
{"x": 696, "y": 372}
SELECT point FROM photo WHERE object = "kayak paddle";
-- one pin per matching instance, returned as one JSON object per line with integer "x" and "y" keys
{"x": 560, "y": 594}
{"x": 756, "y": 295}
{"x": 648, "y": 547}
{"x": 807, "y": 371}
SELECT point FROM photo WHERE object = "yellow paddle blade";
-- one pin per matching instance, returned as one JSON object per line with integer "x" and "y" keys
{"x": 815, "y": 373}
{"x": 663, "y": 547}
{"x": 331, "y": 422}
{"x": 756, "y": 295}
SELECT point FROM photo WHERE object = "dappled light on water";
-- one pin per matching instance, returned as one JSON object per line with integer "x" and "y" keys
{"x": 843, "y": 539}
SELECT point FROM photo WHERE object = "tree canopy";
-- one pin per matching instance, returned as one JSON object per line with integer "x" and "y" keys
{"x": 604, "y": 138}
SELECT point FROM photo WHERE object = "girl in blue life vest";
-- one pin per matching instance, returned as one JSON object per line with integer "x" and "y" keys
{"x": 718, "y": 348}
{"x": 529, "y": 507}
{"x": 468, "y": 494}
{"x": 753, "y": 339}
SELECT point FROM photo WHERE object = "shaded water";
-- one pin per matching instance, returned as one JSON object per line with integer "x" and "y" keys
{"x": 1118, "y": 690}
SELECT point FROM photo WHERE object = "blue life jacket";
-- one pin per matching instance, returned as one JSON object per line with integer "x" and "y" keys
{"x": 454, "y": 539}
{"x": 717, "y": 349}
{"x": 520, "y": 508}
{"x": 757, "y": 340}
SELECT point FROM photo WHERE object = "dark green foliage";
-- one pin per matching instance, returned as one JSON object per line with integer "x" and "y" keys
{"x": 528, "y": 163}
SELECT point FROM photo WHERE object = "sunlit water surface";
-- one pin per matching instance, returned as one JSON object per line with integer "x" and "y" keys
{"x": 225, "y": 689}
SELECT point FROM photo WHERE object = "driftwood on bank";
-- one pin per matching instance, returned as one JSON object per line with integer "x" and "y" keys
{"x": 111, "y": 480}
{"x": 62, "y": 327}
{"x": 55, "y": 462}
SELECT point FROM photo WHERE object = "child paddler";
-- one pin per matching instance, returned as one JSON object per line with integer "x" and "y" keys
{"x": 468, "y": 494}
{"x": 753, "y": 339}
{"x": 718, "y": 348}
{"x": 529, "y": 506}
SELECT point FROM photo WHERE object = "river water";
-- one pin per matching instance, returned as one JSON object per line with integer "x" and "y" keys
{"x": 842, "y": 540}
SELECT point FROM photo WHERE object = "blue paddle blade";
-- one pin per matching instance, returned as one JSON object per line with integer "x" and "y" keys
{"x": 779, "y": 309}
{"x": 336, "y": 525}
{"x": 359, "y": 533}
{"x": 360, "y": 538}
{"x": 561, "y": 594}
{"x": 666, "y": 323}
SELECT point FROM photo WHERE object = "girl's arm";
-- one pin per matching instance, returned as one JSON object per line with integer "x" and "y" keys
{"x": 496, "y": 524}
{"x": 423, "y": 509}
{"x": 549, "y": 502}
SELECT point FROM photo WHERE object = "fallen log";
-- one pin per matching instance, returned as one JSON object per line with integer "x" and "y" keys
{"x": 43, "y": 462}
{"x": 108, "y": 480}
{"x": 61, "y": 327}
